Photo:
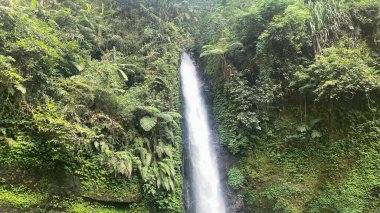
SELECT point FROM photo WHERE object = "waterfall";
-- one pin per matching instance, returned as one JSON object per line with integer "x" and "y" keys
{"x": 206, "y": 189}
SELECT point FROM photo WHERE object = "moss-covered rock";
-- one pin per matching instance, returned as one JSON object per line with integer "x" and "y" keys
{"x": 113, "y": 190}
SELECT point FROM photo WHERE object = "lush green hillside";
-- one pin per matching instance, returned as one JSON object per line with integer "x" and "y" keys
{"x": 295, "y": 88}
{"x": 89, "y": 110}
{"x": 89, "y": 106}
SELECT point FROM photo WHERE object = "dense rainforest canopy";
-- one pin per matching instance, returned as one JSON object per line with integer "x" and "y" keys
{"x": 90, "y": 105}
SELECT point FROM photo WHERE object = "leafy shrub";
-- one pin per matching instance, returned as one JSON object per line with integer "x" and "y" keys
{"x": 340, "y": 73}
{"x": 20, "y": 198}
{"x": 8, "y": 75}
{"x": 235, "y": 178}
{"x": 307, "y": 132}
{"x": 285, "y": 37}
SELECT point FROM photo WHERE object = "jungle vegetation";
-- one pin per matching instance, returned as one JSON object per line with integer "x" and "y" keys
{"x": 90, "y": 116}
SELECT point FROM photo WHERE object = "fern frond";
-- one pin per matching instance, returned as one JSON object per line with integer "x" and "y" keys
{"x": 171, "y": 184}
{"x": 147, "y": 123}
{"x": 160, "y": 150}
{"x": 168, "y": 151}
{"x": 166, "y": 117}
{"x": 150, "y": 109}
{"x": 175, "y": 115}
{"x": 166, "y": 183}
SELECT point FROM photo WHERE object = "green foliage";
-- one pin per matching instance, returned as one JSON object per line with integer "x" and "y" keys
{"x": 92, "y": 89}
{"x": 122, "y": 162}
{"x": 286, "y": 34}
{"x": 327, "y": 21}
{"x": 220, "y": 49}
{"x": 8, "y": 76}
{"x": 84, "y": 207}
{"x": 362, "y": 3}
{"x": 299, "y": 95}
{"x": 73, "y": 76}
{"x": 147, "y": 123}
{"x": 38, "y": 43}
{"x": 217, "y": 54}
{"x": 170, "y": 202}
{"x": 282, "y": 190}
{"x": 291, "y": 180}
{"x": 23, "y": 153}
{"x": 235, "y": 178}
{"x": 307, "y": 132}
{"x": 253, "y": 23}
{"x": 20, "y": 198}
{"x": 284, "y": 41}
{"x": 17, "y": 199}
{"x": 87, "y": 207}
{"x": 101, "y": 187}
{"x": 164, "y": 174}
{"x": 340, "y": 73}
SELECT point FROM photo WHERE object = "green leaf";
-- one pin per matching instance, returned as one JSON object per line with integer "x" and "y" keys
{"x": 316, "y": 134}
{"x": 20, "y": 88}
{"x": 175, "y": 115}
{"x": 79, "y": 66}
{"x": 125, "y": 77}
{"x": 3, "y": 131}
{"x": 147, "y": 123}
{"x": 10, "y": 141}
{"x": 150, "y": 109}
{"x": 315, "y": 121}
{"x": 302, "y": 128}
{"x": 166, "y": 117}
{"x": 96, "y": 144}
{"x": 33, "y": 4}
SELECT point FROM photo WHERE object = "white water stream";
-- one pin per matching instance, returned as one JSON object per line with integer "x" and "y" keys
{"x": 204, "y": 175}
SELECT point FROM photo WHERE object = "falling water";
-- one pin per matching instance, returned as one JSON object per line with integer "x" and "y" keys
{"x": 204, "y": 175}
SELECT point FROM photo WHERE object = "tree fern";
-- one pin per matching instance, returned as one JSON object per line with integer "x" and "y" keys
{"x": 144, "y": 172}
{"x": 148, "y": 123}
{"x": 170, "y": 117}
{"x": 171, "y": 184}
{"x": 216, "y": 54}
{"x": 164, "y": 168}
{"x": 149, "y": 110}
{"x": 169, "y": 133}
{"x": 112, "y": 162}
{"x": 166, "y": 183}
{"x": 167, "y": 167}
{"x": 156, "y": 174}
{"x": 145, "y": 156}
{"x": 175, "y": 115}
{"x": 159, "y": 150}
{"x": 103, "y": 146}
{"x": 166, "y": 117}
{"x": 223, "y": 46}
{"x": 164, "y": 174}
{"x": 122, "y": 163}
{"x": 139, "y": 141}
{"x": 168, "y": 151}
